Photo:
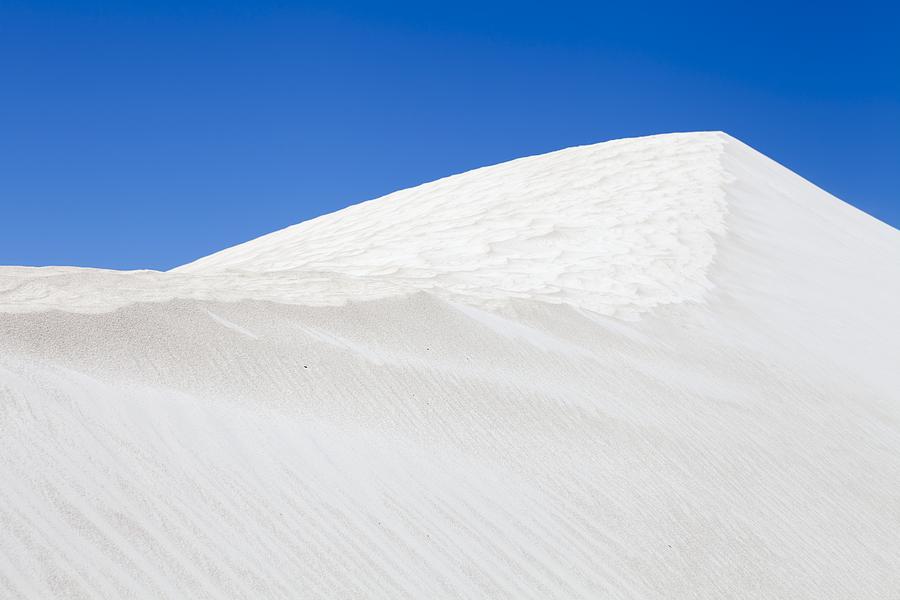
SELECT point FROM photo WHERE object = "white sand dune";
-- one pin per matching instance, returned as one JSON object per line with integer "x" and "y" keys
{"x": 662, "y": 367}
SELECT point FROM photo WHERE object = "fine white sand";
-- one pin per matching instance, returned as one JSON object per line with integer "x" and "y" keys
{"x": 662, "y": 367}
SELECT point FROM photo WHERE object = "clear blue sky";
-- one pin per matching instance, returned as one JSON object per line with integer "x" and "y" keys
{"x": 147, "y": 134}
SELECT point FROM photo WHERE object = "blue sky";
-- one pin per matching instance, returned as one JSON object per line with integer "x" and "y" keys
{"x": 147, "y": 134}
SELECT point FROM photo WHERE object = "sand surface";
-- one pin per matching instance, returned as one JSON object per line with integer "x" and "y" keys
{"x": 662, "y": 367}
